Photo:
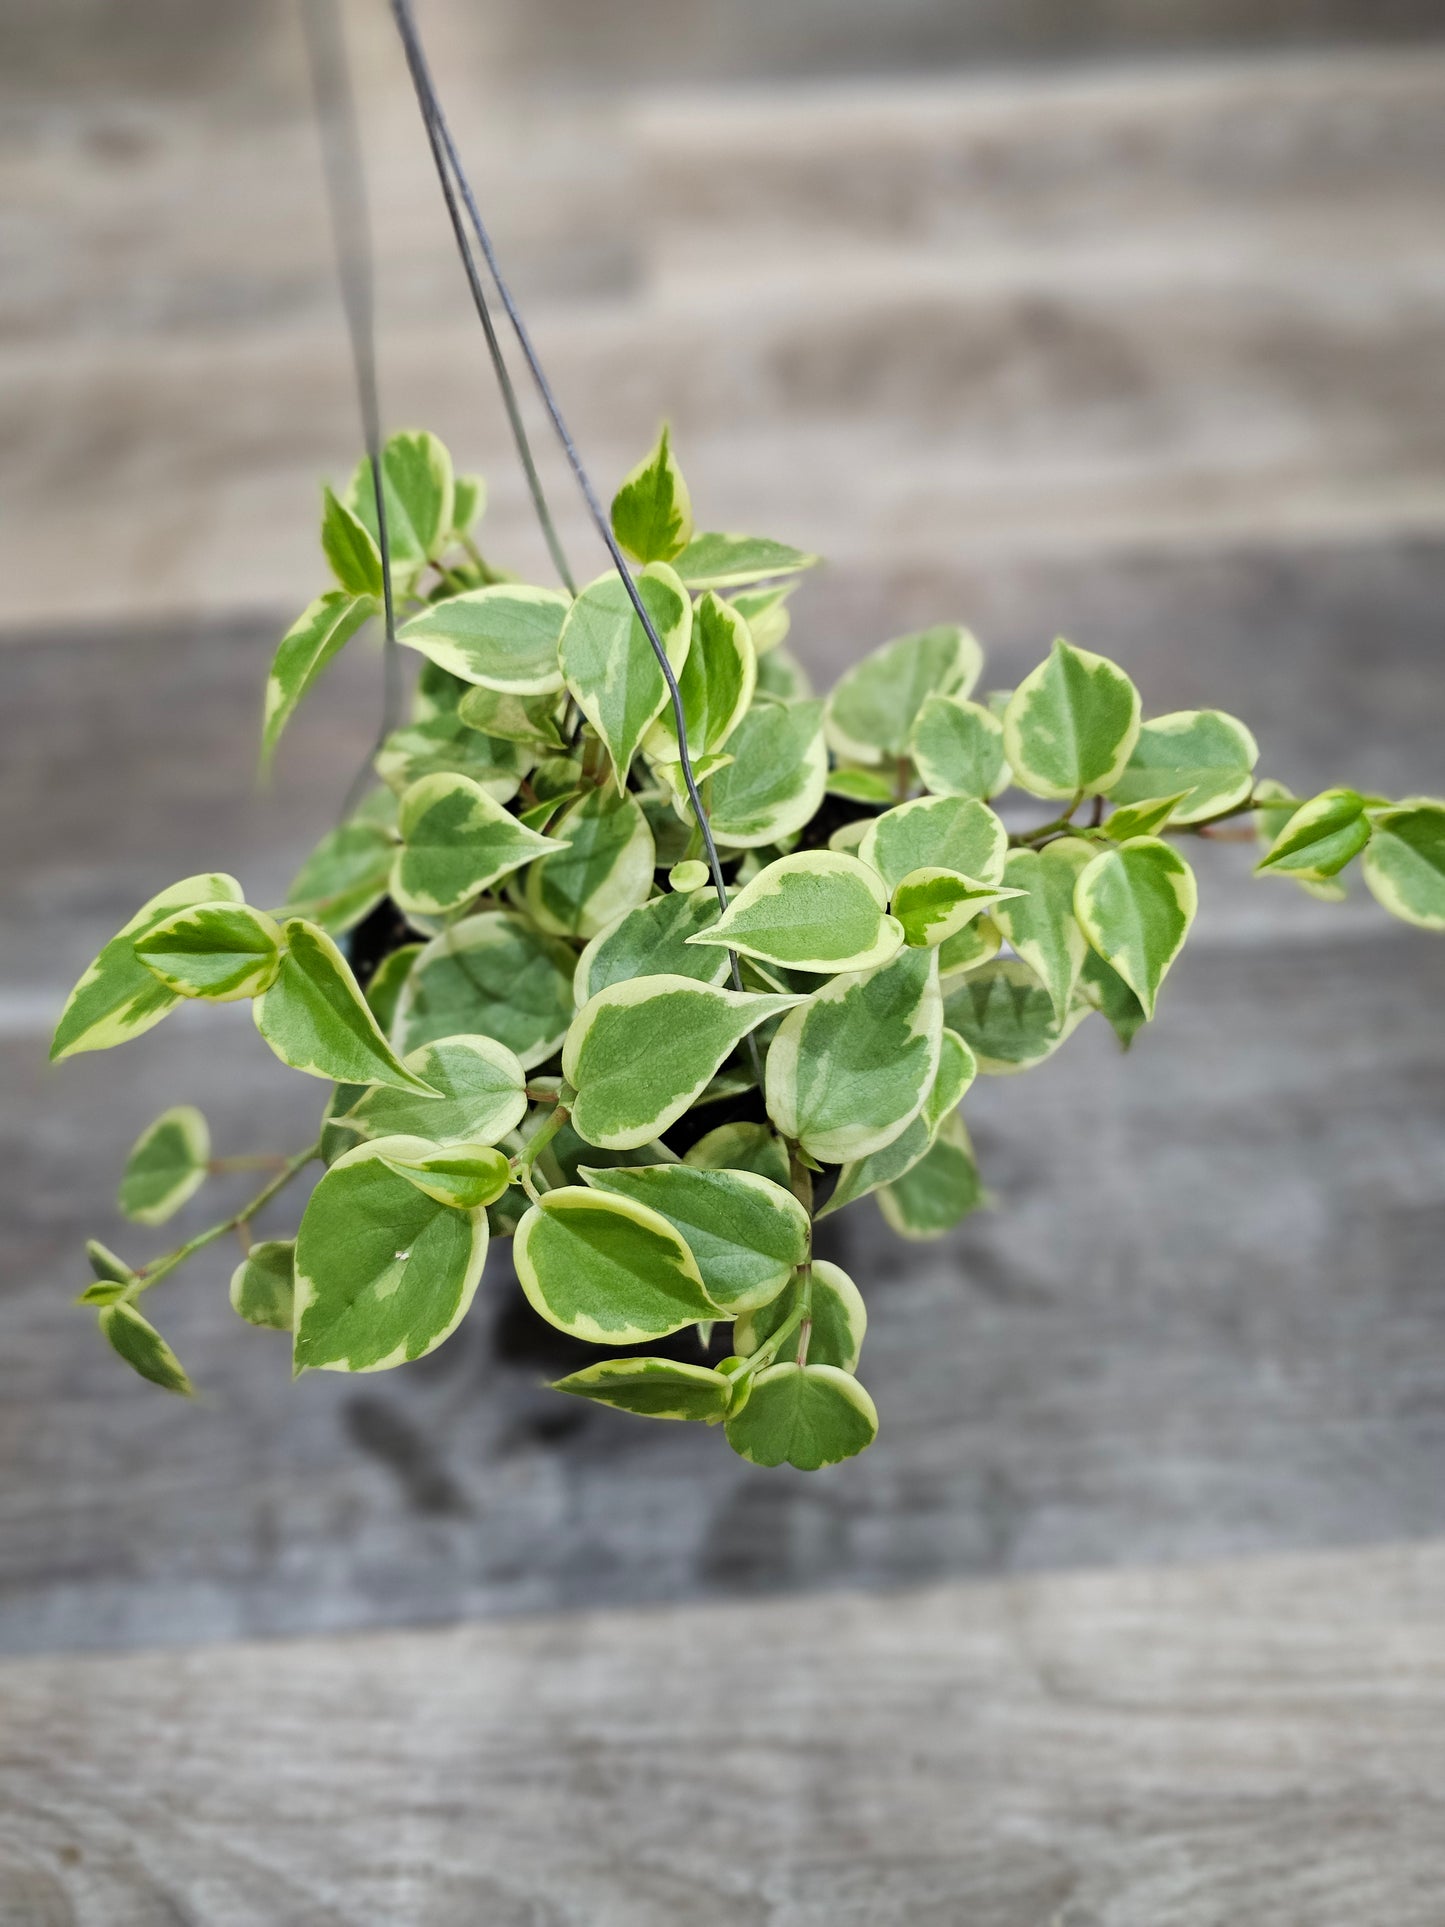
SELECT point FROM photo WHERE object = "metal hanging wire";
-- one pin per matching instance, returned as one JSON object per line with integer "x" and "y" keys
{"x": 448, "y": 160}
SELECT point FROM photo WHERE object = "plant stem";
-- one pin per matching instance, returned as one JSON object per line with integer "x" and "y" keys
{"x": 1027, "y": 838}
{"x": 159, "y": 1268}
{"x": 534, "y": 1147}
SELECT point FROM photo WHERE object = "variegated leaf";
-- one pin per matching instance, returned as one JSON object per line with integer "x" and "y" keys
{"x": 1200, "y": 755}
{"x": 839, "y": 1318}
{"x": 716, "y": 682}
{"x": 419, "y": 492}
{"x": 717, "y": 561}
{"x": 492, "y": 975}
{"x": 933, "y": 905}
{"x": 221, "y": 951}
{"x": 956, "y": 1071}
{"x": 1006, "y": 1017}
{"x": 607, "y": 1269}
{"x": 603, "y": 869}
{"x": 1320, "y": 837}
{"x": 317, "y": 1021}
{"x": 344, "y": 878}
{"x": 1404, "y": 865}
{"x": 875, "y": 704}
{"x": 938, "y": 1191}
{"x": 652, "y": 940}
{"x": 503, "y": 638}
{"x": 955, "y": 833}
{"x": 850, "y": 1069}
{"x": 167, "y": 1165}
{"x": 350, "y": 548}
{"x": 652, "y": 511}
{"x": 465, "y": 1176}
{"x": 322, "y": 628}
{"x": 775, "y": 782}
{"x": 652, "y": 1388}
{"x": 1040, "y": 922}
{"x": 808, "y": 1416}
{"x": 639, "y": 1053}
{"x": 117, "y": 997}
{"x": 384, "y": 1273}
{"x": 609, "y": 663}
{"x": 816, "y": 912}
{"x": 1070, "y": 727}
{"x": 745, "y": 1232}
{"x": 742, "y": 1147}
{"x": 957, "y": 748}
{"x": 1136, "y": 904}
{"x": 138, "y": 1342}
{"x": 483, "y": 1095}
{"x": 263, "y": 1285}
{"x": 456, "y": 842}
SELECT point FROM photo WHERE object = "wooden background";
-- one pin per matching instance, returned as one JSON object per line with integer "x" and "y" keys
{"x": 1147, "y": 351}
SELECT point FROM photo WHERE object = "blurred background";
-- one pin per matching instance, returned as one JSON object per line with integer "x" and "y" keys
{"x": 1119, "y": 320}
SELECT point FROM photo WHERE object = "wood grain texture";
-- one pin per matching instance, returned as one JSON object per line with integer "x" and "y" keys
{"x": 1251, "y": 1742}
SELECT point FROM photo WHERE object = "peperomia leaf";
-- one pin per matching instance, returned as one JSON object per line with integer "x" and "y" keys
{"x": 469, "y": 502}
{"x": 1200, "y": 755}
{"x": 775, "y": 782}
{"x": 742, "y": 1147}
{"x": 167, "y": 1165}
{"x": 977, "y": 943}
{"x": 803, "y": 1415}
{"x": 608, "y": 661}
{"x": 936, "y": 833}
{"x": 1320, "y": 837}
{"x": 652, "y": 940}
{"x": 652, "y": 511}
{"x": 444, "y": 746}
{"x": 933, "y": 905}
{"x": 221, "y": 951}
{"x": 483, "y": 1095}
{"x": 419, "y": 491}
{"x": 143, "y": 1349}
{"x": 783, "y": 677}
{"x": 316, "y": 1020}
{"x": 717, "y": 561}
{"x": 1040, "y": 922}
{"x": 344, "y": 878}
{"x": 816, "y": 911}
{"x": 384, "y": 1273}
{"x": 766, "y": 613}
{"x": 118, "y": 997}
{"x": 849, "y": 1069}
{"x": 956, "y": 1071}
{"x": 456, "y": 842}
{"x": 1006, "y": 1017}
{"x": 1136, "y": 904}
{"x": 388, "y": 980}
{"x": 838, "y": 1315}
{"x": 602, "y": 868}
{"x": 957, "y": 748}
{"x": 1071, "y": 726}
{"x": 875, "y": 704}
{"x": 1404, "y": 865}
{"x": 503, "y": 637}
{"x": 1142, "y": 819}
{"x": 1102, "y": 987}
{"x": 938, "y": 1191}
{"x": 263, "y": 1285}
{"x": 493, "y": 975}
{"x": 350, "y": 548}
{"x": 321, "y": 629}
{"x": 514, "y": 719}
{"x": 638, "y": 1054}
{"x": 745, "y": 1232}
{"x": 607, "y": 1269}
{"x": 652, "y": 1388}
{"x": 716, "y": 683}
{"x": 465, "y": 1176}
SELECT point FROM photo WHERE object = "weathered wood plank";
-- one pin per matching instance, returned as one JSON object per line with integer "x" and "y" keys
{"x": 1252, "y": 1742}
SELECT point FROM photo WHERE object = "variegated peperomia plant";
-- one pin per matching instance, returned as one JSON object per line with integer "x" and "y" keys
{"x": 552, "y": 1027}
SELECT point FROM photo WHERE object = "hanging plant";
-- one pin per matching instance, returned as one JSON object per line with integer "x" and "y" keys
{"x": 654, "y": 1065}
{"x": 657, "y": 959}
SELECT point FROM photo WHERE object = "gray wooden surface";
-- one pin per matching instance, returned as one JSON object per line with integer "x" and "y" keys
{"x": 1261, "y": 1743}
